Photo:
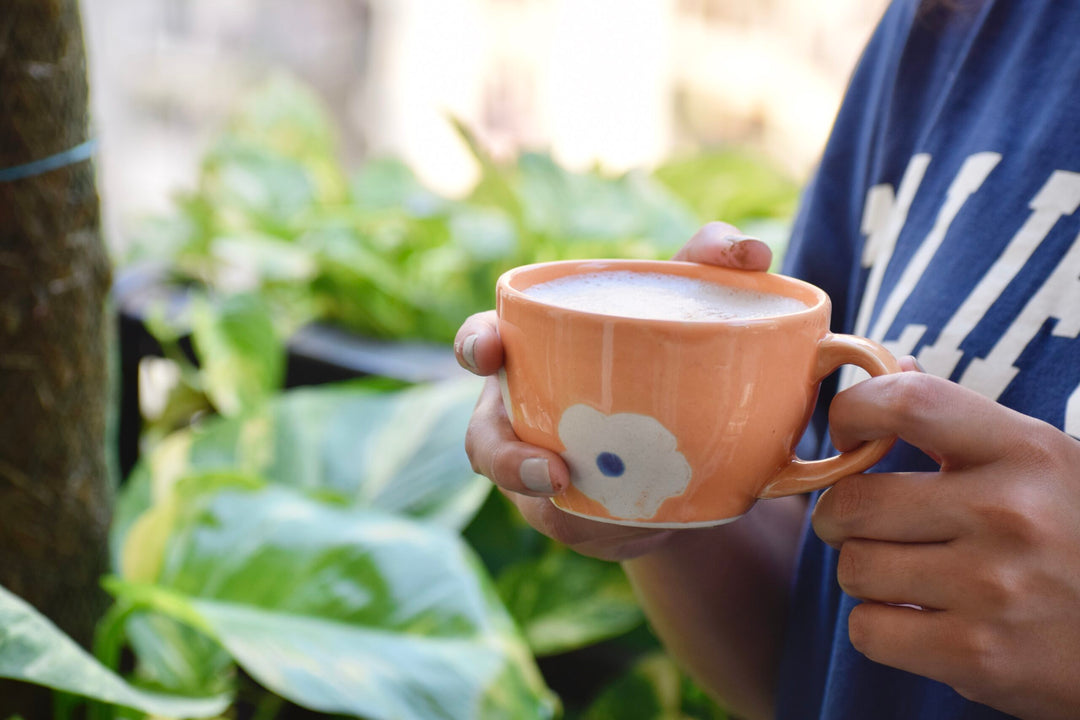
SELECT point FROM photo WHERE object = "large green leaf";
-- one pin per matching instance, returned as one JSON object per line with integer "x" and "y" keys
{"x": 344, "y": 610}
{"x": 397, "y": 451}
{"x": 34, "y": 650}
{"x": 564, "y": 601}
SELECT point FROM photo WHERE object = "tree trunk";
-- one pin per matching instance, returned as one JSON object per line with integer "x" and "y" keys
{"x": 55, "y": 499}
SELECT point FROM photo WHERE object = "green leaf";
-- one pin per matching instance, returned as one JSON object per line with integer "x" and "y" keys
{"x": 344, "y": 610}
{"x": 242, "y": 358}
{"x": 285, "y": 118}
{"x": 34, "y": 650}
{"x": 400, "y": 451}
{"x": 730, "y": 185}
{"x": 563, "y": 600}
{"x": 569, "y": 205}
{"x": 485, "y": 233}
{"x": 255, "y": 187}
{"x": 495, "y": 187}
{"x": 389, "y": 184}
{"x": 247, "y": 259}
{"x": 501, "y": 537}
{"x": 176, "y": 656}
{"x": 653, "y": 689}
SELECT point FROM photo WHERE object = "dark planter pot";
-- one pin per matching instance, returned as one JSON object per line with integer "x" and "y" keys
{"x": 316, "y": 353}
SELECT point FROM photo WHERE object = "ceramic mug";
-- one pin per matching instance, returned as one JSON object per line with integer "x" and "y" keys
{"x": 670, "y": 423}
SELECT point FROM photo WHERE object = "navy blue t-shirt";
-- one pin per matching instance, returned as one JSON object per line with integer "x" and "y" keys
{"x": 943, "y": 222}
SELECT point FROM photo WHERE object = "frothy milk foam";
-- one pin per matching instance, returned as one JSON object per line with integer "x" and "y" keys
{"x": 657, "y": 296}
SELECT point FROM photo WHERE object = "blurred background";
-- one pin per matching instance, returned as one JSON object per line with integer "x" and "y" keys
{"x": 303, "y": 199}
{"x": 619, "y": 83}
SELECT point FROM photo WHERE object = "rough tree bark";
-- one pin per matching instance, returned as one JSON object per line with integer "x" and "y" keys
{"x": 55, "y": 498}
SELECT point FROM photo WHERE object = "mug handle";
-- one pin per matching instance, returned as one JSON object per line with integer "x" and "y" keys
{"x": 802, "y": 476}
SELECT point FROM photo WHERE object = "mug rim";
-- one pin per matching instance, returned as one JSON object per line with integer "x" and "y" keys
{"x": 505, "y": 287}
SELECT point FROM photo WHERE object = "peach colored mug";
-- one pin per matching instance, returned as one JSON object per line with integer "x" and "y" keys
{"x": 671, "y": 423}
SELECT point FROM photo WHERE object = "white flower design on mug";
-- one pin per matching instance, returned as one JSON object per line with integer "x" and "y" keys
{"x": 626, "y": 462}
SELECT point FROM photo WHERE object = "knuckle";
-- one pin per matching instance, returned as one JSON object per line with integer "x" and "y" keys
{"x": 1016, "y": 513}
{"x": 1032, "y": 445}
{"x": 504, "y": 466}
{"x": 847, "y": 499}
{"x": 860, "y": 630}
{"x": 980, "y": 658}
{"x": 850, "y": 568}
{"x": 909, "y": 397}
{"x": 996, "y": 587}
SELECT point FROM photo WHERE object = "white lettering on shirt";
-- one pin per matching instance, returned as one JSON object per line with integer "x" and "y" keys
{"x": 1058, "y": 299}
{"x": 1059, "y": 197}
{"x": 884, "y": 216}
{"x": 972, "y": 175}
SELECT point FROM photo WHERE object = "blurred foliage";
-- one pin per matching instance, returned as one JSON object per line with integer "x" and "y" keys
{"x": 34, "y": 650}
{"x": 375, "y": 251}
{"x": 653, "y": 688}
{"x": 331, "y": 547}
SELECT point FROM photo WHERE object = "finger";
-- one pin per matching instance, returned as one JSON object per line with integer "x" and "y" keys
{"x": 920, "y": 574}
{"x": 909, "y": 363}
{"x": 939, "y": 417}
{"x": 894, "y": 507}
{"x": 477, "y": 345}
{"x": 932, "y": 643}
{"x": 496, "y": 452}
{"x": 588, "y": 537}
{"x": 718, "y": 243}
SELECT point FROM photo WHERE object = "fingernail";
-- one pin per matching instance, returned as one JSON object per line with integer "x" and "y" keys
{"x": 739, "y": 238}
{"x": 535, "y": 476}
{"x": 468, "y": 352}
{"x": 917, "y": 364}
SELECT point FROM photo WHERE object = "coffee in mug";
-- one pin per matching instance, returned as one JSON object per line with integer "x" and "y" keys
{"x": 658, "y": 296}
{"x": 676, "y": 392}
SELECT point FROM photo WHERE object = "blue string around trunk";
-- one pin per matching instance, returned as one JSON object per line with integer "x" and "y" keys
{"x": 77, "y": 154}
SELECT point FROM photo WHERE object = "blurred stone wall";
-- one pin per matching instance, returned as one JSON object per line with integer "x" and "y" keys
{"x": 622, "y": 83}
{"x": 165, "y": 74}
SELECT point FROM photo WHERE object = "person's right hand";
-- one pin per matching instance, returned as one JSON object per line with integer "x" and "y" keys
{"x": 529, "y": 475}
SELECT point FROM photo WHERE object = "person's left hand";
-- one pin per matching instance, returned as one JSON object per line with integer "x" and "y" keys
{"x": 988, "y": 549}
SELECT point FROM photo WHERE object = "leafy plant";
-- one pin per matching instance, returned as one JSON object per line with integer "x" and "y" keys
{"x": 34, "y": 650}
{"x": 654, "y": 688}
{"x": 333, "y": 545}
{"x": 380, "y": 254}
{"x": 337, "y": 608}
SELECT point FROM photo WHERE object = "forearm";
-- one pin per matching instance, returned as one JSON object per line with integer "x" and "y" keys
{"x": 718, "y": 597}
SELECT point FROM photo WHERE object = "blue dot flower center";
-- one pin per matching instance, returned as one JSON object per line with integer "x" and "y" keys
{"x": 610, "y": 464}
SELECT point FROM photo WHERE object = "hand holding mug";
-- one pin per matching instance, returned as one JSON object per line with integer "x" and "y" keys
{"x": 676, "y": 392}
{"x": 529, "y": 475}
